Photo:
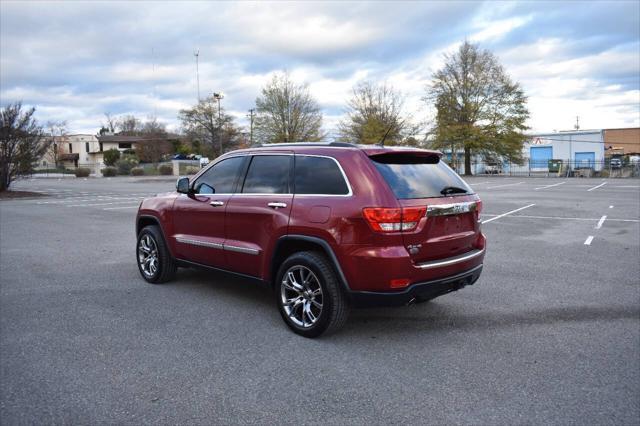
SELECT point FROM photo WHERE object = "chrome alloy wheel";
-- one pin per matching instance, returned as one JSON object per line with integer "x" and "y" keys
{"x": 148, "y": 255}
{"x": 301, "y": 296}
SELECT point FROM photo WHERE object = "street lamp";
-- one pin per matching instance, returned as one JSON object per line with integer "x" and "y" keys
{"x": 218, "y": 96}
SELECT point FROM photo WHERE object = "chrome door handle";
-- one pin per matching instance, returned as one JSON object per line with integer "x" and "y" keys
{"x": 216, "y": 203}
{"x": 277, "y": 205}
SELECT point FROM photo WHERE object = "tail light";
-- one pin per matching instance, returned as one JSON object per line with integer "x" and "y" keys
{"x": 393, "y": 220}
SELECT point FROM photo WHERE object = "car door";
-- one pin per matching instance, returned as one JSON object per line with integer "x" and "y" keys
{"x": 258, "y": 214}
{"x": 199, "y": 217}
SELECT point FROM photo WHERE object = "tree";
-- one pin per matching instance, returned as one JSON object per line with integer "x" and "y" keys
{"x": 213, "y": 127}
{"x": 129, "y": 125}
{"x": 373, "y": 112}
{"x": 479, "y": 109}
{"x": 58, "y": 136}
{"x": 22, "y": 142}
{"x": 110, "y": 125}
{"x": 286, "y": 112}
{"x": 110, "y": 157}
{"x": 155, "y": 143}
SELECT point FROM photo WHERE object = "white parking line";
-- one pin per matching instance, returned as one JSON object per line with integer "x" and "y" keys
{"x": 549, "y": 186}
{"x": 105, "y": 204}
{"x": 479, "y": 183}
{"x": 507, "y": 213}
{"x": 596, "y": 187}
{"x": 610, "y": 207}
{"x": 118, "y": 208}
{"x": 600, "y": 222}
{"x": 509, "y": 184}
{"x": 588, "y": 219}
{"x": 587, "y": 242}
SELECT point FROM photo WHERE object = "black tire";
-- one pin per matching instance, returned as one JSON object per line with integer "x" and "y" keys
{"x": 166, "y": 266}
{"x": 335, "y": 307}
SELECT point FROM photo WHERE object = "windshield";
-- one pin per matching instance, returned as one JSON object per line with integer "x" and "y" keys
{"x": 420, "y": 179}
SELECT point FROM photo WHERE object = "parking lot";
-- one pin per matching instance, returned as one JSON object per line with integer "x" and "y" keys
{"x": 549, "y": 334}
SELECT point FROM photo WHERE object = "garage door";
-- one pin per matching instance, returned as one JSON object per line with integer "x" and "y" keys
{"x": 540, "y": 156}
{"x": 585, "y": 160}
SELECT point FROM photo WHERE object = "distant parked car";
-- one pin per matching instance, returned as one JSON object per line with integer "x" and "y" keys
{"x": 204, "y": 161}
{"x": 493, "y": 169}
{"x": 179, "y": 157}
{"x": 616, "y": 163}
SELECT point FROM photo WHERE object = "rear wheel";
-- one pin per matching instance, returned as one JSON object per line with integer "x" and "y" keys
{"x": 154, "y": 260}
{"x": 309, "y": 296}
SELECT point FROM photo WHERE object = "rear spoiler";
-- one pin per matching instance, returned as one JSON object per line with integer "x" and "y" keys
{"x": 405, "y": 157}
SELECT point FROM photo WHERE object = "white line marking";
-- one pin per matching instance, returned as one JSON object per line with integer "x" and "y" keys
{"x": 118, "y": 208}
{"x": 596, "y": 187}
{"x": 549, "y": 186}
{"x": 101, "y": 204}
{"x": 507, "y": 213}
{"x": 587, "y": 242}
{"x": 600, "y": 222}
{"x": 565, "y": 218}
{"x": 479, "y": 183}
{"x": 610, "y": 207}
{"x": 500, "y": 186}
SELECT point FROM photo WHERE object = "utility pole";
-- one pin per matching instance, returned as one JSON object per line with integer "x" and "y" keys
{"x": 251, "y": 115}
{"x": 197, "y": 54}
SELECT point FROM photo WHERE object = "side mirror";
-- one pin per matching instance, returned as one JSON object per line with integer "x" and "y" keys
{"x": 182, "y": 185}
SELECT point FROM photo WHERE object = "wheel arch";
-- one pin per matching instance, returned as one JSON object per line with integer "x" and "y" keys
{"x": 145, "y": 220}
{"x": 289, "y": 244}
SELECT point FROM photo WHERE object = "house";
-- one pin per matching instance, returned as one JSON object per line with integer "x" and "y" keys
{"x": 71, "y": 151}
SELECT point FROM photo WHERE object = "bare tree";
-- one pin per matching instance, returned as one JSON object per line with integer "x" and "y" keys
{"x": 286, "y": 112}
{"x": 57, "y": 133}
{"x": 129, "y": 125}
{"x": 21, "y": 143}
{"x": 479, "y": 109}
{"x": 154, "y": 143}
{"x": 111, "y": 122}
{"x": 375, "y": 112}
{"x": 204, "y": 122}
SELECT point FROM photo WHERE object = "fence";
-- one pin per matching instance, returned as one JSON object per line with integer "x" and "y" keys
{"x": 556, "y": 168}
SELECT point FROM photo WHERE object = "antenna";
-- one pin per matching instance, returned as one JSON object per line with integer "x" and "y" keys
{"x": 381, "y": 143}
{"x": 577, "y": 126}
{"x": 197, "y": 54}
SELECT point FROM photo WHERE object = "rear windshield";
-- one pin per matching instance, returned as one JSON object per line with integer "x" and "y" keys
{"x": 420, "y": 178}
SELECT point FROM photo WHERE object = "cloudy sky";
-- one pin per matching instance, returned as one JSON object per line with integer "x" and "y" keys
{"x": 75, "y": 61}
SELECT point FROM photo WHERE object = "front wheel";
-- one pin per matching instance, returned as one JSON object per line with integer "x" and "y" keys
{"x": 154, "y": 260}
{"x": 309, "y": 296}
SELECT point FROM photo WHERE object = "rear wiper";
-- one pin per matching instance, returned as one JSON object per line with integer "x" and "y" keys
{"x": 453, "y": 190}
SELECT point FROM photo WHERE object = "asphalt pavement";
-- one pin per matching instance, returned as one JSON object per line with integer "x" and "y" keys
{"x": 549, "y": 334}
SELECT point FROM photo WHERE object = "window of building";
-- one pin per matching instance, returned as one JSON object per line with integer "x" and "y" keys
{"x": 100, "y": 146}
{"x": 319, "y": 175}
{"x": 124, "y": 145}
{"x": 70, "y": 148}
{"x": 268, "y": 174}
{"x": 86, "y": 145}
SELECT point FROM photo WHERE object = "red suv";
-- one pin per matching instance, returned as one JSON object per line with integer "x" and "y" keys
{"x": 328, "y": 226}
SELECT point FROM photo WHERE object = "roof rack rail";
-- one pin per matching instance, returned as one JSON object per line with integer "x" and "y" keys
{"x": 336, "y": 144}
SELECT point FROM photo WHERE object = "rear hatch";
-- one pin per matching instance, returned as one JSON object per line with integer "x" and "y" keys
{"x": 448, "y": 208}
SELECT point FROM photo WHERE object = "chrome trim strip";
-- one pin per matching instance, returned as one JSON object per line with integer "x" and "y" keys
{"x": 241, "y": 249}
{"x": 451, "y": 261}
{"x": 217, "y": 246}
{"x": 451, "y": 209}
{"x": 199, "y": 243}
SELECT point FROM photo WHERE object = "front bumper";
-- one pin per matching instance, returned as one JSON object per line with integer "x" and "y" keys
{"x": 417, "y": 292}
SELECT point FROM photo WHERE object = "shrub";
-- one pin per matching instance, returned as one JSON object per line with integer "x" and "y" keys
{"x": 109, "y": 171}
{"x": 111, "y": 156}
{"x": 126, "y": 163}
{"x": 82, "y": 172}
{"x": 192, "y": 170}
{"x": 165, "y": 169}
{"x": 137, "y": 171}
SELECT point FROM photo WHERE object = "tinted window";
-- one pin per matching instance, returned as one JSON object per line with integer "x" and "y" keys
{"x": 420, "y": 179}
{"x": 220, "y": 178}
{"x": 317, "y": 175}
{"x": 268, "y": 174}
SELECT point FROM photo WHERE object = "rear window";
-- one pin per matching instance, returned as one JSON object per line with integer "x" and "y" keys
{"x": 415, "y": 177}
{"x": 319, "y": 175}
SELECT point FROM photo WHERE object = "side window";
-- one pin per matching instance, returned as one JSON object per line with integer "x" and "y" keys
{"x": 219, "y": 179}
{"x": 318, "y": 175}
{"x": 268, "y": 174}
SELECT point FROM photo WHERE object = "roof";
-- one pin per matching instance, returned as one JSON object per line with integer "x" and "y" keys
{"x": 316, "y": 147}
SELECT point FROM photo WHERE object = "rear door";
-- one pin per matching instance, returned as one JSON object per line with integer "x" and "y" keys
{"x": 258, "y": 213}
{"x": 449, "y": 224}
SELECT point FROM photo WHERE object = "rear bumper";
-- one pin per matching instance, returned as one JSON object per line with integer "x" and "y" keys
{"x": 417, "y": 292}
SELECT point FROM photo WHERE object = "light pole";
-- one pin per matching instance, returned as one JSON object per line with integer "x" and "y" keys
{"x": 251, "y": 115}
{"x": 218, "y": 96}
{"x": 197, "y": 55}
